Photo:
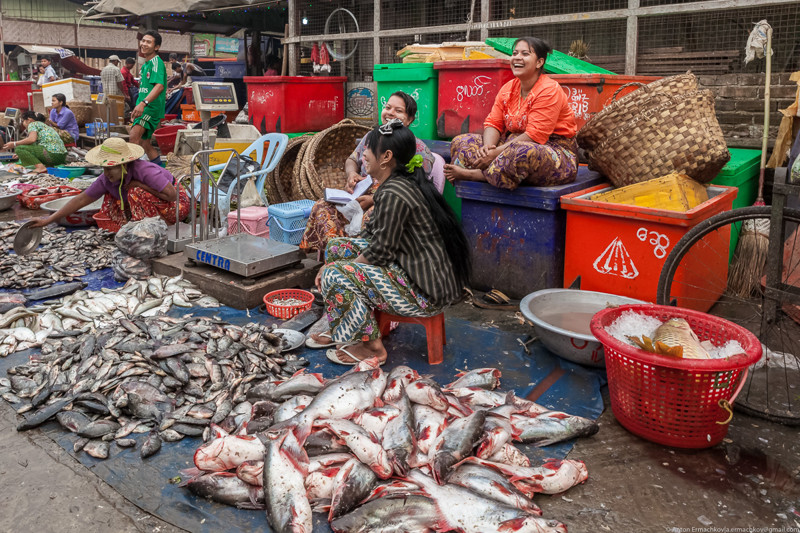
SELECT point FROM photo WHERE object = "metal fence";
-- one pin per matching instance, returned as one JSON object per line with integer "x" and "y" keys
{"x": 658, "y": 37}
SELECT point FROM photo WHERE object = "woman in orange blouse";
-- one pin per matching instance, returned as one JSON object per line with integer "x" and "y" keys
{"x": 529, "y": 136}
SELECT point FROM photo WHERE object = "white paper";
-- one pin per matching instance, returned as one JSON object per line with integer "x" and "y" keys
{"x": 338, "y": 196}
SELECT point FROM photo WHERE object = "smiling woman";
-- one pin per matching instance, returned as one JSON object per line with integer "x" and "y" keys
{"x": 529, "y": 136}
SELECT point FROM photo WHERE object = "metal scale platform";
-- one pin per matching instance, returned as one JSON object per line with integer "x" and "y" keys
{"x": 242, "y": 254}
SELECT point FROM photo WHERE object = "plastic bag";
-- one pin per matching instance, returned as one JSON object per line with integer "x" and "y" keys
{"x": 250, "y": 195}
{"x": 352, "y": 211}
{"x": 242, "y": 117}
{"x": 125, "y": 267}
{"x": 143, "y": 239}
{"x": 246, "y": 166}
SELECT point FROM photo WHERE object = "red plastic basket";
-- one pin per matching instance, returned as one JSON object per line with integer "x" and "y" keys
{"x": 288, "y": 311}
{"x": 104, "y": 222}
{"x": 683, "y": 403}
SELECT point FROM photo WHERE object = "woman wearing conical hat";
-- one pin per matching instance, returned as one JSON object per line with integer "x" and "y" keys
{"x": 132, "y": 188}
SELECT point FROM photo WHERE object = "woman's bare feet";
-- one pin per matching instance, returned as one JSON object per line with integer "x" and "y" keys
{"x": 455, "y": 172}
{"x": 354, "y": 353}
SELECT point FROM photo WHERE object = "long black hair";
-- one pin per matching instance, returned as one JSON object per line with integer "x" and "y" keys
{"x": 34, "y": 115}
{"x": 403, "y": 145}
{"x": 541, "y": 47}
{"x": 61, "y": 98}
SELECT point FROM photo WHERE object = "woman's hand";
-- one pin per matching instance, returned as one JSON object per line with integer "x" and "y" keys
{"x": 487, "y": 158}
{"x": 352, "y": 179}
{"x": 484, "y": 150}
{"x": 40, "y": 222}
{"x": 366, "y": 201}
{"x": 9, "y": 145}
{"x": 318, "y": 279}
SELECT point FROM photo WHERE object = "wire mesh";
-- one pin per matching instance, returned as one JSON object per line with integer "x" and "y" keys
{"x": 515, "y": 9}
{"x": 397, "y": 15}
{"x": 600, "y": 38}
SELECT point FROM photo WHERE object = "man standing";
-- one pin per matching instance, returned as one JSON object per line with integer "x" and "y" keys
{"x": 111, "y": 77}
{"x": 49, "y": 72}
{"x": 149, "y": 108}
{"x": 130, "y": 86}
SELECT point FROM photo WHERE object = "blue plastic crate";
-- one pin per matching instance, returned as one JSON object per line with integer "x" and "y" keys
{"x": 90, "y": 127}
{"x": 287, "y": 221}
{"x": 517, "y": 238}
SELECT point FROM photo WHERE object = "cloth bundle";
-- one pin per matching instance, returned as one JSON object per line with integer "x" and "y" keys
{"x": 138, "y": 243}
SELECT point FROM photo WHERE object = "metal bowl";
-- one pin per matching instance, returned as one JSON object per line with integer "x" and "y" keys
{"x": 294, "y": 339}
{"x": 8, "y": 197}
{"x": 27, "y": 239}
{"x": 558, "y": 317}
{"x": 82, "y": 217}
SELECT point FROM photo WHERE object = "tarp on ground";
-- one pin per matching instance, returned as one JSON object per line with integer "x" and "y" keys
{"x": 148, "y": 7}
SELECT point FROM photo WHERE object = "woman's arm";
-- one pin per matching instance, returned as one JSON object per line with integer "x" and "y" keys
{"x": 30, "y": 139}
{"x": 75, "y": 203}
{"x": 168, "y": 194}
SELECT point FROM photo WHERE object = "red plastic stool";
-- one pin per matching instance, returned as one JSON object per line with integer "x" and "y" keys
{"x": 434, "y": 330}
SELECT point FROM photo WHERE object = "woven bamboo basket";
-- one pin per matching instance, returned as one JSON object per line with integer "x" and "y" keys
{"x": 324, "y": 160}
{"x": 300, "y": 191}
{"x": 618, "y": 112}
{"x": 681, "y": 135}
{"x": 81, "y": 110}
{"x": 283, "y": 175}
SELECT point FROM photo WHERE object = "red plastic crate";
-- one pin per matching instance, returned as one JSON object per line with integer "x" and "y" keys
{"x": 253, "y": 221}
{"x": 15, "y": 94}
{"x": 684, "y": 403}
{"x": 467, "y": 90}
{"x": 590, "y": 93}
{"x": 34, "y": 202}
{"x": 295, "y": 104}
{"x": 621, "y": 249}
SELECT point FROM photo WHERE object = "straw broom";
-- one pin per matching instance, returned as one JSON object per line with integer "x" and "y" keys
{"x": 750, "y": 257}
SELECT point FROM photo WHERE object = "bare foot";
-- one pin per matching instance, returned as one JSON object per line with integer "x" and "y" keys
{"x": 360, "y": 351}
{"x": 455, "y": 172}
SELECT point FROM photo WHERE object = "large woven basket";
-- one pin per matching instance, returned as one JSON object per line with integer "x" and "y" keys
{"x": 680, "y": 135}
{"x": 323, "y": 164}
{"x": 81, "y": 110}
{"x": 283, "y": 175}
{"x": 618, "y": 112}
{"x": 299, "y": 187}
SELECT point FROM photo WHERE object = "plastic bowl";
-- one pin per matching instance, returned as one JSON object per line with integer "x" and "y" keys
{"x": 59, "y": 172}
{"x": 74, "y": 172}
{"x": 553, "y": 305}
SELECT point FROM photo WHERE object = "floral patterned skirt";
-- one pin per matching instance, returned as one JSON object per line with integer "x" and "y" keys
{"x": 143, "y": 205}
{"x": 352, "y": 292}
{"x": 325, "y": 223}
{"x": 522, "y": 162}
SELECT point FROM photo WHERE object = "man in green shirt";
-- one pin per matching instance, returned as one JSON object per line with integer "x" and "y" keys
{"x": 149, "y": 108}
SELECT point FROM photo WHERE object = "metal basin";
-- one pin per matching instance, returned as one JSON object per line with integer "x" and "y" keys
{"x": 82, "y": 217}
{"x": 7, "y": 197}
{"x": 561, "y": 320}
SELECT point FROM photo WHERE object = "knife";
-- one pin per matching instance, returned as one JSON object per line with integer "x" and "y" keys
{"x": 303, "y": 320}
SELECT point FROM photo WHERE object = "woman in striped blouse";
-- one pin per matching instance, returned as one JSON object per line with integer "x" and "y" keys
{"x": 412, "y": 259}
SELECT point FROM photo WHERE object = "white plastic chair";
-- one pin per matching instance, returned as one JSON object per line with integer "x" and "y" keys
{"x": 277, "y": 145}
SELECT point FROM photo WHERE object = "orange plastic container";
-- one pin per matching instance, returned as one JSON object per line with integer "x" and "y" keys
{"x": 620, "y": 249}
{"x": 189, "y": 113}
{"x": 590, "y": 93}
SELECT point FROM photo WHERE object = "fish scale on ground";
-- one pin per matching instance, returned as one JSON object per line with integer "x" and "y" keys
{"x": 330, "y": 451}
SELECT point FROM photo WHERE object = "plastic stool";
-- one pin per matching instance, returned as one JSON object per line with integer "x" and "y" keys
{"x": 434, "y": 330}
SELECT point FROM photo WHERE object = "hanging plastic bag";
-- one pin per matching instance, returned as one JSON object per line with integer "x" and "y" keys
{"x": 250, "y": 195}
{"x": 143, "y": 239}
{"x": 352, "y": 211}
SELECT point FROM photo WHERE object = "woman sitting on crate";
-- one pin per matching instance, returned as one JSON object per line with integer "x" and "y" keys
{"x": 528, "y": 137}
{"x": 63, "y": 119}
{"x": 412, "y": 261}
{"x": 42, "y": 147}
{"x": 132, "y": 188}
{"x": 325, "y": 221}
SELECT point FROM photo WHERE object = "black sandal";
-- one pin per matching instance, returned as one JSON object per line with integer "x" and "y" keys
{"x": 495, "y": 299}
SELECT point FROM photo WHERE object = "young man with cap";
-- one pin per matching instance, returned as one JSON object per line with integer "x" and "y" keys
{"x": 149, "y": 108}
{"x": 111, "y": 77}
{"x": 132, "y": 189}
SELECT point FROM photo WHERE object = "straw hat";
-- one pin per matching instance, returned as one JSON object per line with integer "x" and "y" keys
{"x": 114, "y": 151}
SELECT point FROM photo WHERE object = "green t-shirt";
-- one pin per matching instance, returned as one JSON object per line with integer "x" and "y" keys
{"x": 153, "y": 72}
{"x": 47, "y": 137}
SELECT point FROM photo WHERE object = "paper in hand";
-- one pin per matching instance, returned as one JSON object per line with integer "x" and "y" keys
{"x": 338, "y": 196}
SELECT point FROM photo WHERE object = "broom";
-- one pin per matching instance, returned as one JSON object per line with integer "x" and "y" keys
{"x": 751, "y": 252}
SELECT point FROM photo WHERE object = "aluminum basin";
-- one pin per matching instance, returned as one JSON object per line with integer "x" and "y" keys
{"x": 576, "y": 306}
{"x": 8, "y": 196}
{"x": 82, "y": 217}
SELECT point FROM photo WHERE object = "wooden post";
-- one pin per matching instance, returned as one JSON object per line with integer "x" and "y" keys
{"x": 3, "y": 46}
{"x": 632, "y": 38}
{"x": 485, "y": 9}
{"x": 376, "y": 26}
{"x": 285, "y": 51}
{"x": 294, "y": 56}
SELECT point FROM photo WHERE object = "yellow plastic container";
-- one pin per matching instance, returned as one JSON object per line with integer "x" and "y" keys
{"x": 674, "y": 192}
{"x": 242, "y": 136}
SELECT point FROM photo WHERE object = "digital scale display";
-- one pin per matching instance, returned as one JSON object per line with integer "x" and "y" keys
{"x": 11, "y": 113}
{"x": 214, "y": 96}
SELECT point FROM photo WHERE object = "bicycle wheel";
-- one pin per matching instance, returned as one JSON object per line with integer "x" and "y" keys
{"x": 343, "y": 21}
{"x": 695, "y": 275}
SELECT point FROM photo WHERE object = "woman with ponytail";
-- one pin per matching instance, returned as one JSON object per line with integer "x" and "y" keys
{"x": 412, "y": 259}
{"x": 42, "y": 147}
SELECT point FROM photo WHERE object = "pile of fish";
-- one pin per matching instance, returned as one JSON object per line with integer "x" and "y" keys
{"x": 396, "y": 452}
{"x": 22, "y": 328}
{"x": 62, "y": 256}
{"x": 169, "y": 377}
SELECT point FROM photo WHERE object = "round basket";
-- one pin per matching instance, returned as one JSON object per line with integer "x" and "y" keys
{"x": 324, "y": 159}
{"x": 287, "y": 311}
{"x": 81, "y": 110}
{"x": 299, "y": 189}
{"x": 685, "y": 403}
{"x": 283, "y": 175}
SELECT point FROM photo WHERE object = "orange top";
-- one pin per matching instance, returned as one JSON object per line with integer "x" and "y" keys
{"x": 545, "y": 111}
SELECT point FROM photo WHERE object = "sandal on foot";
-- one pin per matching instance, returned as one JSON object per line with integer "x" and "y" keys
{"x": 495, "y": 299}
{"x": 311, "y": 343}
{"x": 333, "y": 355}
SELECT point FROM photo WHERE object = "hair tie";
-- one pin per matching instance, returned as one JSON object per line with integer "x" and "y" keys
{"x": 414, "y": 163}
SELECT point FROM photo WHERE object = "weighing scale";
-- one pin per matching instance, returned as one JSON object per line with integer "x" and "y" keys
{"x": 11, "y": 114}
{"x": 242, "y": 254}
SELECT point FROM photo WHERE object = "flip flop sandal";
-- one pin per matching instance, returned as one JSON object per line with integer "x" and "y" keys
{"x": 333, "y": 355}
{"x": 311, "y": 343}
{"x": 495, "y": 299}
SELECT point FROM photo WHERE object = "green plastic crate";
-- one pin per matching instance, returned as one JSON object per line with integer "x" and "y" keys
{"x": 557, "y": 62}
{"x": 293, "y": 135}
{"x": 742, "y": 172}
{"x": 450, "y": 198}
{"x": 421, "y": 81}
